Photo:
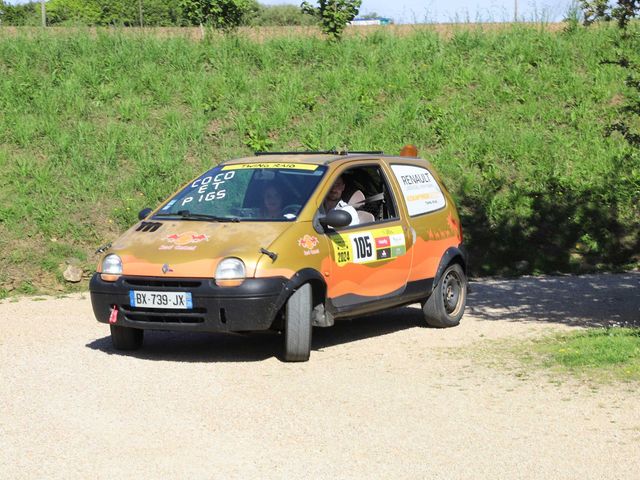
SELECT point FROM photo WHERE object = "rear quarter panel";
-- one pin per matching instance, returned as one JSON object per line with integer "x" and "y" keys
{"x": 433, "y": 232}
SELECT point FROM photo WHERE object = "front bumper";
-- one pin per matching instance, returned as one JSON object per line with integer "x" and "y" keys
{"x": 251, "y": 306}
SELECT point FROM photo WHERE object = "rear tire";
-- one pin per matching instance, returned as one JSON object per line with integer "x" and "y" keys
{"x": 445, "y": 307}
{"x": 125, "y": 338}
{"x": 297, "y": 328}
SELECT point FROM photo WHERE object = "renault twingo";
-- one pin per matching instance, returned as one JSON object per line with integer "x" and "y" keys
{"x": 254, "y": 244}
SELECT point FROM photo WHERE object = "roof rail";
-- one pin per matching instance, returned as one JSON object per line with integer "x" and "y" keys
{"x": 325, "y": 152}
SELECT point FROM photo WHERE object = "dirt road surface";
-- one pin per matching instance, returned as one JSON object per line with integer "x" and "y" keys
{"x": 382, "y": 397}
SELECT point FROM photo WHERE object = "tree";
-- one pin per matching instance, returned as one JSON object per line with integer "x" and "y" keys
{"x": 628, "y": 48}
{"x": 222, "y": 14}
{"x": 334, "y": 15}
{"x": 85, "y": 12}
{"x": 21, "y": 14}
{"x": 594, "y": 10}
{"x": 280, "y": 15}
{"x": 624, "y": 11}
{"x": 369, "y": 16}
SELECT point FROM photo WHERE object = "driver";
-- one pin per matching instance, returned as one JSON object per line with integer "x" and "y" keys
{"x": 333, "y": 201}
{"x": 271, "y": 202}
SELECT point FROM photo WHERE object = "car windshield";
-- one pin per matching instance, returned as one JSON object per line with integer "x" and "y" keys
{"x": 266, "y": 191}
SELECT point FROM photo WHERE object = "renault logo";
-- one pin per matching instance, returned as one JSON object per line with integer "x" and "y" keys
{"x": 166, "y": 268}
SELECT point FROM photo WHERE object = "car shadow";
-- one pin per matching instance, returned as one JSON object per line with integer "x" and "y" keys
{"x": 588, "y": 300}
{"x": 602, "y": 300}
{"x": 198, "y": 347}
{"x": 361, "y": 328}
{"x": 256, "y": 347}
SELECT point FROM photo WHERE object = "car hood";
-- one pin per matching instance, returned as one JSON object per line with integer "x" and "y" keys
{"x": 192, "y": 248}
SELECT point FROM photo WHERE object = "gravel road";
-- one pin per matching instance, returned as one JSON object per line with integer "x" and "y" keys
{"x": 381, "y": 397}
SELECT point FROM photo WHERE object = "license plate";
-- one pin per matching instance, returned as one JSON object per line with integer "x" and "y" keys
{"x": 177, "y": 300}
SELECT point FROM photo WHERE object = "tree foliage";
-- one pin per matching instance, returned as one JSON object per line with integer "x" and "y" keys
{"x": 85, "y": 12}
{"x": 627, "y": 46}
{"x": 222, "y": 14}
{"x": 622, "y": 11}
{"x": 19, "y": 15}
{"x": 146, "y": 12}
{"x": 280, "y": 15}
{"x": 334, "y": 15}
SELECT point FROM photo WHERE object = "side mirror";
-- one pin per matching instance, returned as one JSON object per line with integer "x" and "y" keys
{"x": 335, "y": 219}
{"x": 144, "y": 213}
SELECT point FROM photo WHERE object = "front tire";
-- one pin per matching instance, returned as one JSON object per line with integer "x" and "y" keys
{"x": 445, "y": 307}
{"x": 297, "y": 328}
{"x": 125, "y": 338}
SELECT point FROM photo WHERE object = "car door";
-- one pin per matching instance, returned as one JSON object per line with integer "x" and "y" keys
{"x": 371, "y": 261}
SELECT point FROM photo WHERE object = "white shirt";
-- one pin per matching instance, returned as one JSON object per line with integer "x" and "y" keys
{"x": 341, "y": 205}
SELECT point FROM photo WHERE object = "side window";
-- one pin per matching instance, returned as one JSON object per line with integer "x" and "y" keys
{"x": 420, "y": 190}
{"x": 367, "y": 190}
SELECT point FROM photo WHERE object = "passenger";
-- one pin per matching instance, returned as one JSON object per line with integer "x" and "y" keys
{"x": 333, "y": 201}
{"x": 271, "y": 202}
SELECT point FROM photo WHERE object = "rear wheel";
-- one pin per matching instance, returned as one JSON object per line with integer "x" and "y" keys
{"x": 297, "y": 328}
{"x": 125, "y": 338}
{"x": 445, "y": 307}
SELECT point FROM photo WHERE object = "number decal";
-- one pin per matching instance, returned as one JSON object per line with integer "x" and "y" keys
{"x": 362, "y": 247}
{"x": 369, "y": 247}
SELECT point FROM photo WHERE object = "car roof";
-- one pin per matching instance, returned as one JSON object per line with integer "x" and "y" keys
{"x": 320, "y": 158}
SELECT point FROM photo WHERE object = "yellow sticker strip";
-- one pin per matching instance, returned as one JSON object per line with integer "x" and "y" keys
{"x": 279, "y": 165}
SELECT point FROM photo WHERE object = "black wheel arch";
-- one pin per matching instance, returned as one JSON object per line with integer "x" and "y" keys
{"x": 306, "y": 275}
{"x": 451, "y": 255}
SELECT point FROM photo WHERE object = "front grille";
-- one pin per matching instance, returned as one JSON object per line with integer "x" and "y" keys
{"x": 134, "y": 314}
{"x": 161, "y": 282}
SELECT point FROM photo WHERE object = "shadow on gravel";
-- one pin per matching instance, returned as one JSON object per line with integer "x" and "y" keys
{"x": 198, "y": 347}
{"x": 255, "y": 347}
{"x": 587, "y": 300}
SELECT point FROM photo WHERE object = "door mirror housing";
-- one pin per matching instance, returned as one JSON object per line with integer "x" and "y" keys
{"x": 336, "y": 219}
{"x": 144, "y": 213}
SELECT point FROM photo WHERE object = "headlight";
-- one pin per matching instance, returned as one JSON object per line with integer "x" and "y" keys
{"x": 111, "y": 268}
{"x": 230, "y": 272}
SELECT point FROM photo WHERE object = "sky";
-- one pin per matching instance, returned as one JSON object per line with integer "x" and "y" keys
{"x": 417, "y": 11}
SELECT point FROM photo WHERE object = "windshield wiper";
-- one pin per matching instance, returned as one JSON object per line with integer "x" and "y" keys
{"x": 187, "y": 215}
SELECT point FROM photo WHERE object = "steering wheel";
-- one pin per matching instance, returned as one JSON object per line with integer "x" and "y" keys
{"x": 291, "y": 209}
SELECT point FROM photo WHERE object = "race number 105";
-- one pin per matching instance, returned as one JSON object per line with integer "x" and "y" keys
{"x": 362, "y": 247}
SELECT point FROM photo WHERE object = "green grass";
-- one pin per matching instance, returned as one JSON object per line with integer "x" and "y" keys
{"x": 95, "y": 128}
{"x": 596, "y": 353}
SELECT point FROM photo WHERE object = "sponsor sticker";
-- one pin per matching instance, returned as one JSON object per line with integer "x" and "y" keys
{"x": 183, "y": 241}
{"x": 309, "y": 244}
{"x": 383, "y": 253}
{"x": 382, "y": 242}
{"x": 420, "y": 190}
{"x": 369, "y": 246}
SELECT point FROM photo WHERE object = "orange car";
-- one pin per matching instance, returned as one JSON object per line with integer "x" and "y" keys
{"x": 287, "y": 241}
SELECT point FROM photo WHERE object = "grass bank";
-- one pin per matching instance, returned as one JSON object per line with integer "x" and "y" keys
{"x": 599, "y": 354}
{"x": 94, "y": 127}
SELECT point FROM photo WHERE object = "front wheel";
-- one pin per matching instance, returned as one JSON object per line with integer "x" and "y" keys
{"x": 445, "y": 307}
{"x": 125, "y": 338}
{"x": 297, "y": 328}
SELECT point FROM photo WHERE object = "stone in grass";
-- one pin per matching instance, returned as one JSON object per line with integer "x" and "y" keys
{"x": 72, "y": 274}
